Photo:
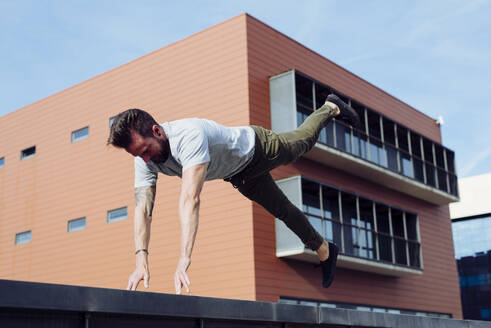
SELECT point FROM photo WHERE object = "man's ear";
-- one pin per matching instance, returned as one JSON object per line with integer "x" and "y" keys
{"x": 156, "y": 131}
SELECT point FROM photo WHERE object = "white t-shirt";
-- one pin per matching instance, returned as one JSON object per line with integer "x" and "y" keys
{"x": 193, "y": 141}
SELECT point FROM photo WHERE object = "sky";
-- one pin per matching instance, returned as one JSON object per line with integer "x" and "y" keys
{"x": 434, "y": 55}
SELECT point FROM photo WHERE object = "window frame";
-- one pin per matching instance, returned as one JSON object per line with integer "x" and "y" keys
{"x": 18, "y": 239}
{"x": 23, "y": 156}
{"x": 76, "y": 139}
{"x": 407, "y": 162}
{"x": 358, "y": 229}
{"x": 118, "y": 219}
{"x": 75, "y": 220}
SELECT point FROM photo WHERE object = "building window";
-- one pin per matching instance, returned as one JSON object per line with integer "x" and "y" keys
{"x": 111, "y": 121}
{"x": 362, "y": 227}
{"x": 76, "y": 224}
{"x": 380, "y": 140}
{"x": 28, "y": 153}
{"x": 23, "y": 237}
{"x": 2, "y": 161}
{"x": 117, "y": 215}
{"x": 80, "y": 134}
{"x": 359, "y": 307}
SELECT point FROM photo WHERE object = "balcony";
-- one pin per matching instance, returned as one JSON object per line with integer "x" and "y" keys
{"x": 28, "y": 304}
{"x": 372, "y": 236}
{"x": 381, "y": 150}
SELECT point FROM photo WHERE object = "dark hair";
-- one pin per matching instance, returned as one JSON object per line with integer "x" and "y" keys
{"x": 132, "y": 119}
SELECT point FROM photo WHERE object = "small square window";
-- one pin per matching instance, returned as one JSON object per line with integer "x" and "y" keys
{"x": 76, "y": 224}
{"x": 111, "y": 121}
{"x": 80, "y": 134}
{"x": 117, "y": 215}
{"x": 23, "y": 237}
{"x": 2, "y": 161}
{"x": 28, "y": 153}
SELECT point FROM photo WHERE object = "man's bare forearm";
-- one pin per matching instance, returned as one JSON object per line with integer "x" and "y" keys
{"x": 189, "y": 213}
{"x": 144, "y": 200}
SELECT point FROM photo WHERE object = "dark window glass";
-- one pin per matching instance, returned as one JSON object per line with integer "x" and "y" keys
{"x": 414, "y": 258}
{"x": 321, "y": 94}
{"x": 411, "y": 226}
{"x": 359, "y": 144}
{"x": 350, "y": 231}
{"x": 360, "y": 110}
{"x": 366, "y": 214}
{"x": 343, "y": 137}
{"x": 391, "y": 158}
{"x": 450, "y": 161}
{"x": 382, "y": 218}
{"x": 402, "y": 138}
{"x": 311, "y": 197}
{"x": 385, "y": 248}
{"x": 28, "y": 153}
{"x": 440, "y": 162}
{"x": 304, "y": 91}
{"x": 453, "y": 184}
{"x": 348, "y": 202}
{"x": 415, "y": 144}
{"x": 442, "y": 180}
{"x": 302, "y": 114}
{"x": 316, "y": 223}
{"x": 430, "y": 175}
{"x": 428, "y": 149}
{"x": 328, "y": 134}
{"x": 76, "y": 225}
{"x": 367, "y": 248}
{"x": 350, "y": 234}
{"x": 373, "y": 124}
{"x": 377, "y": 154}
{"x": 397, "y": 223}
{"x": 406, "y": 165}
{"x": 330, "y": 203}
{"x": 23, "y": 237}
{"x": 418, "y": 170}
{"x": 389, "y": 135}
{"x": 117, "y": 215}
{"x": 333, "y": 231}
{"x": 400, "y": 249}
{"x": 80, "y": 134}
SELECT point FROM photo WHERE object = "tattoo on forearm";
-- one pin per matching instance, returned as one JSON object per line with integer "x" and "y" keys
{"x": 145, "y": 196}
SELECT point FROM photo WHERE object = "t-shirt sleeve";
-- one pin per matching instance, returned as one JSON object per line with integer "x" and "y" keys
{"x": 144, "y": 175}
{"x": 193, "y": 149}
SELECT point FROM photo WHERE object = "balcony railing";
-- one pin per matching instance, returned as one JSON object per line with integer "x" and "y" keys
{"x": 372, "y": 236}
{"x": 380, "y": 149}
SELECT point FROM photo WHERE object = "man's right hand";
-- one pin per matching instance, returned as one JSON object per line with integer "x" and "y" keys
{"x": 141, "y": 273}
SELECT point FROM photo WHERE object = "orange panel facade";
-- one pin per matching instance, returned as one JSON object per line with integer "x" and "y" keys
{"x": 221, "y": 74}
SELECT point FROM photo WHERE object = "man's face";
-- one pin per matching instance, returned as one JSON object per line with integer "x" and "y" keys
{"x": 149, "y": 148}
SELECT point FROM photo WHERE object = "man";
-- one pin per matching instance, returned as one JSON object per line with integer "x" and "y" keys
{"x": 198, "y": 150}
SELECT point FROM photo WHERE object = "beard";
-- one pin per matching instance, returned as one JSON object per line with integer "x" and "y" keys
{"x": 164, "y": 153}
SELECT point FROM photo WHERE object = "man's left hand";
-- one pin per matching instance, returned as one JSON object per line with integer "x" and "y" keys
{"x": 181, "y": 277}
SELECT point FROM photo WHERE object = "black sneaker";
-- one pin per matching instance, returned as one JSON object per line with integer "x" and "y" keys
{"x": 348, "y": 114}
{"x": 329, "y": 266}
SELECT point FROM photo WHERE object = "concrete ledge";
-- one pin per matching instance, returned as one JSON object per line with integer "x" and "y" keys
{"x": 42, "y": 305}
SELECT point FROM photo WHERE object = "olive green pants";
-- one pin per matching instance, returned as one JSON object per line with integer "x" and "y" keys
{"x": 272, "y": 150}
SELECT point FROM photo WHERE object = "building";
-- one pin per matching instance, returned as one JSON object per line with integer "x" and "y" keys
{"x": 471, "y": 225}
{"x": 381, "y": 192}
